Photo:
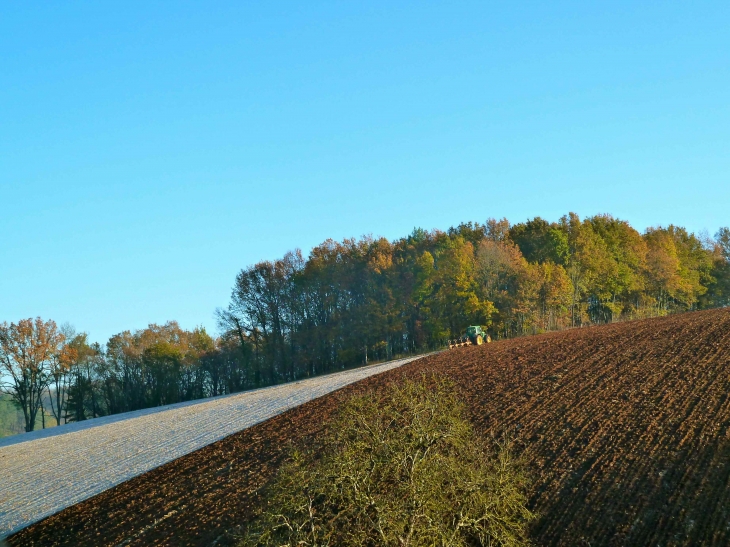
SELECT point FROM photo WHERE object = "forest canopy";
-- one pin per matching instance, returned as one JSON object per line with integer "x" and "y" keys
{"x": 359, "y": 299}
{"x": 354, "y": 301}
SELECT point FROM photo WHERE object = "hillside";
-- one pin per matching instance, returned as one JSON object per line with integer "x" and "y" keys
{"x": 100, "y": 453}
{"x": 627, "y": 427}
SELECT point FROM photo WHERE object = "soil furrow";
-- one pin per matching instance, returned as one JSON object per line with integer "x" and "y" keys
{"x": 626, "y": 428}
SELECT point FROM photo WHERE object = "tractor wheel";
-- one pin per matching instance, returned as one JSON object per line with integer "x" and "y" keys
{"x": 489, "y": 339}
{"x": 478, "y": 341}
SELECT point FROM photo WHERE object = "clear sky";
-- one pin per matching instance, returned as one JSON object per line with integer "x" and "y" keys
{"x": 150, "y": 150}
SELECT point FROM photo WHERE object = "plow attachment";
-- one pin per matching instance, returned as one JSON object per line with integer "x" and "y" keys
{"x": 459, "y": 342}
{"x": 475, "y": 336}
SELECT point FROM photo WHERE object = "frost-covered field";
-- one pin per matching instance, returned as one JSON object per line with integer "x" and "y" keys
{"x": 46, "y": 471}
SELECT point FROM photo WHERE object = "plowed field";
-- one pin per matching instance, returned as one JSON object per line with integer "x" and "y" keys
{"x": 95, "y": 455}
{"x": 627, "y": 427}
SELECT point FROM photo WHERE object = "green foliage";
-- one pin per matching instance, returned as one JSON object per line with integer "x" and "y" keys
{"x": 355, "y": 301}
{"x": 718, "y": 293}
{"x": 159, "y": 365}
{"x": 401, "y": 469}
{"x": 723, "y": 242}
{"x": 540, "y": 241}
{"x": 679, "y": 267}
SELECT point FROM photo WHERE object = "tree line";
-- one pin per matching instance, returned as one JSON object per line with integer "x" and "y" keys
{"x": 351, "y": 302}
{"x": 360, "y": 299}
{"x": 46, "y": 366}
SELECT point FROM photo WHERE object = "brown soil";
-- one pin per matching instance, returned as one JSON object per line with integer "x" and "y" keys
{"x": 627, "y": 427}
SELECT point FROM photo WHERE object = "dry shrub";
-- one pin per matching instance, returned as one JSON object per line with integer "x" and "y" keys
{"x": 403, "y": 469}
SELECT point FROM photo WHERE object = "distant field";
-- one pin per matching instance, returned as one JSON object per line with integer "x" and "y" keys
{"x": 11, "y": 418}
{"x": 627, "y": 427}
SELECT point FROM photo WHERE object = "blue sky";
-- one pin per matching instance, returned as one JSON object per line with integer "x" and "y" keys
{"x": 149, "y": 150}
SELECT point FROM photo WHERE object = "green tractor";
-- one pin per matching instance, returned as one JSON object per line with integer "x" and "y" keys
{"x": 475, "y": 336}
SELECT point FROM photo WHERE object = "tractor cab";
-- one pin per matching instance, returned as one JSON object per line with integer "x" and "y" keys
{"x": 477, "y": 335}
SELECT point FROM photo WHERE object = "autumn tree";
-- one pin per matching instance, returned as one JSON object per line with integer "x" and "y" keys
{"x": 679, "y": 268}
{"x": 590, "y": 267}
{"x": 456, "y": 299}
{"x": 619, "y": 265}
{"x": 554, "y": 296}
{"x": 193, "y": 382}
{"x": 87, "y": 382}
{"x": 413, "y": 281}
{"x": 718, "y": 290}
{"x": 501, "y": 271}
{"x": 259, "y": 310}
{"x": 60, "y": 363}
{"x": 26, "y": 351}
{"x": 350, "y": 302}
{"x": 723, "y": 242}
{"x": 497, "y": 230}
